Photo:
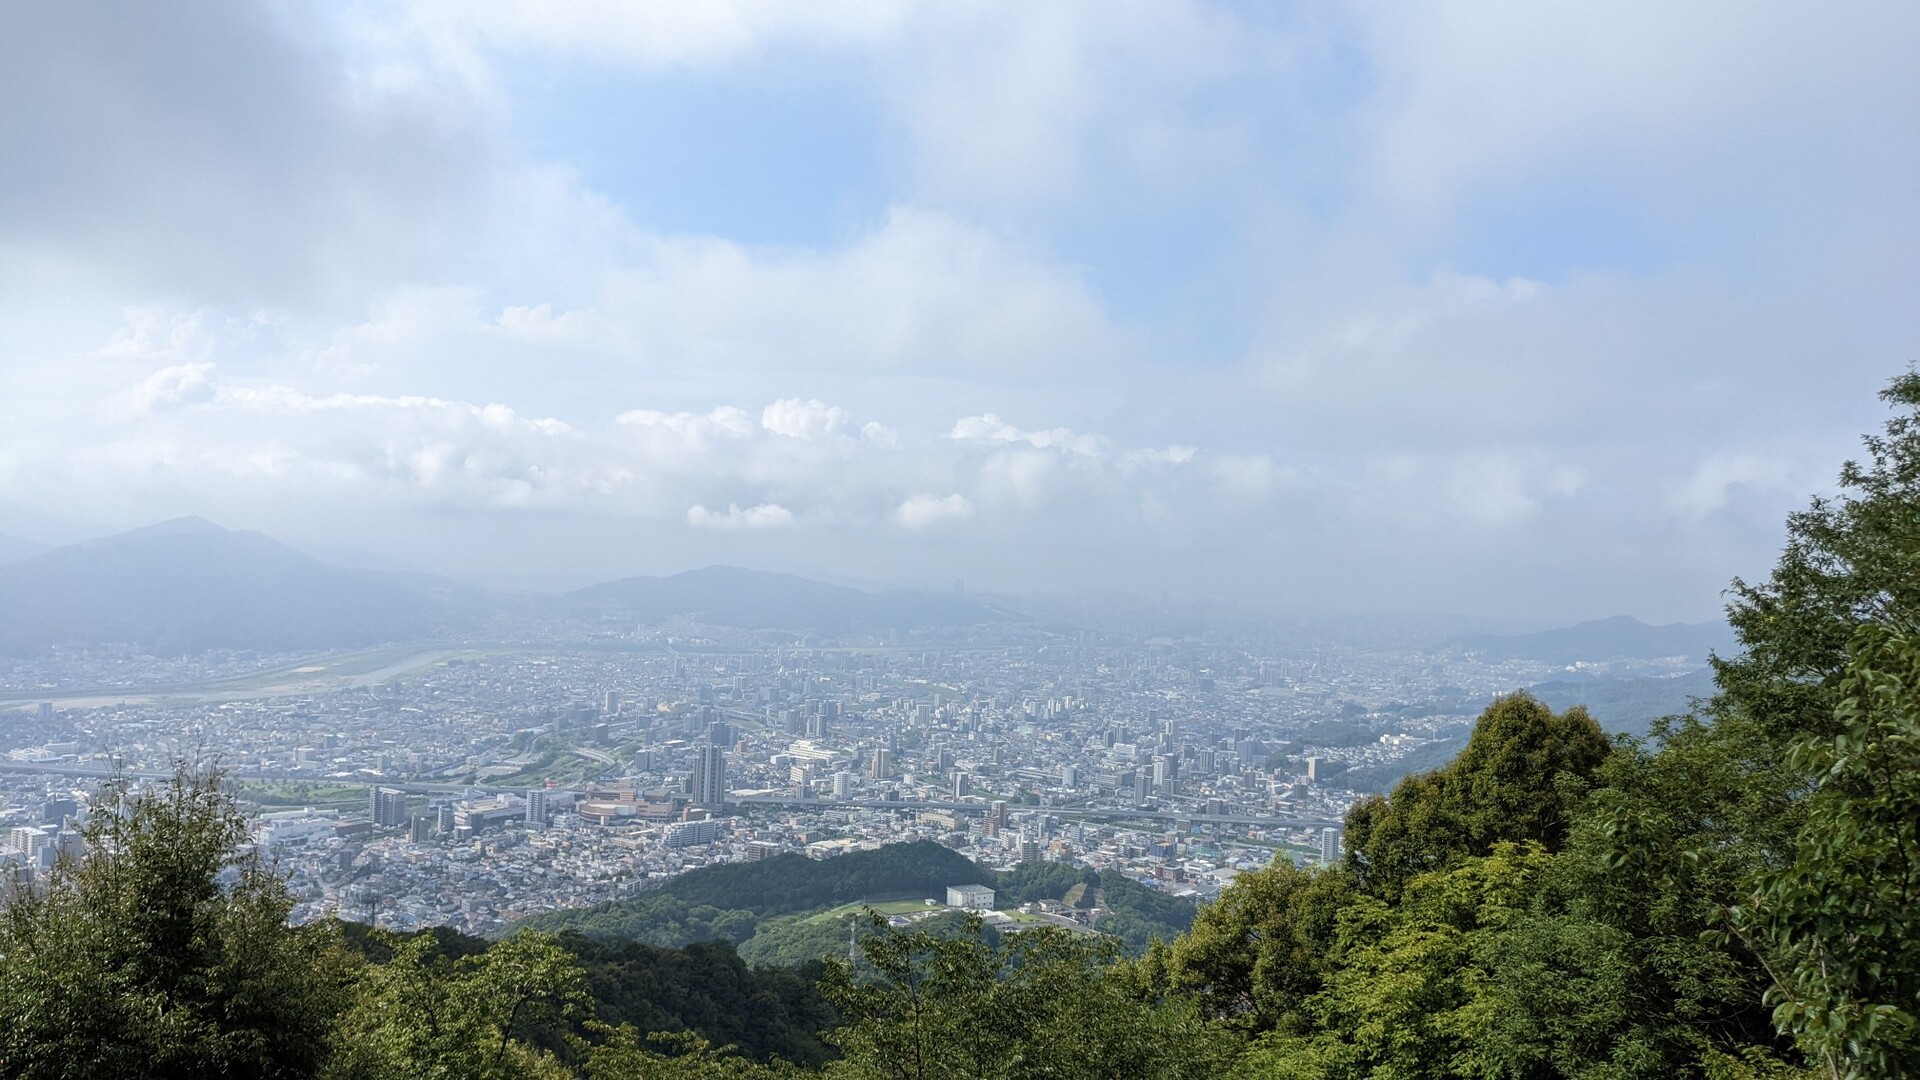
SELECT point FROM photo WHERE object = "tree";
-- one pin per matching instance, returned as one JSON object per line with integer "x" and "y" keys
{"x": 165, "y": 951}
{"x": 1412, "y": 995}
{"x": 425, "y": 1016}
{"x": 626, "y": 1055}
{"x": 1841, "y": 922}
{"x": 1518, "y": 779}
{"x": 1044, "y": 1003}
{"x": 1848, "y": 561}
{"x": 1256, "y": 955}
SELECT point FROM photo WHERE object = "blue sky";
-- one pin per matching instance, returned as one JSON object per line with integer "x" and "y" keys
{"x": 1540, "y": 310}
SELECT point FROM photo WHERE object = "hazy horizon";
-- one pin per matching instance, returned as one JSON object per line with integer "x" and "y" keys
{"x": 1527, "y": 312}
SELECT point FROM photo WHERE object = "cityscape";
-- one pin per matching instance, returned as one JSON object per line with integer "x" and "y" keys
{"x": 471, "y": 785}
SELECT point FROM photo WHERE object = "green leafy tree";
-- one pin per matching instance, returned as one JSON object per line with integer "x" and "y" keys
{"x": 1412, "y": 995}
{"x": 1255, "y": 956}
{"x": 425, "y": 1016}
{"x": 164, "y": 952}
{"x": 1672, "y": 830}
{"x": 1841, "y": 922}
{"x": 1518, "y": 779}
{"x": 627, "y": 1055}
{"x": 1045, "y": 1003}
{"x": 1848, "y": 561}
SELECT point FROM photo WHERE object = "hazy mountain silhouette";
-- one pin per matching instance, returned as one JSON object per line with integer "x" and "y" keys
{"x": 756, "y": 600}
{"x": 14, "y": 548}
{"x": 1620, "y": 637}
{"x": 187, "y": 585}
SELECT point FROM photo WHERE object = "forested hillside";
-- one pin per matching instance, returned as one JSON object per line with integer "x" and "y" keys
{"x": 1735, "y": 897}
{"x": 738, "y": 902}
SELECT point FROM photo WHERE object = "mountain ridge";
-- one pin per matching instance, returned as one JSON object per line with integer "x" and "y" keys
{"x": 1613, "y": 638}
{"x": 188, "y": 584}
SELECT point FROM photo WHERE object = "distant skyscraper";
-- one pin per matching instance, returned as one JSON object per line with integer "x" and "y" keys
{"x": 389, "y": 807}
{"x": 719, "y": 733}
{"x": 959, "y": 785}
{"x": 710, "y": 779}
{"x": 1313, "y": 768}
{"x": 842, "y": 784}
{"x": 421, "y": 828}
{"x": 58, "y": 810}
{"x": 882, "y": 763}
{"x": 610, "y": 702}
{"x": 537, "y": 806}
{"x": 1329, "y": 846}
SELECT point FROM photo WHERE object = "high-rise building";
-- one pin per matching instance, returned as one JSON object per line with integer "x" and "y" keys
{"x": 1313, "y": 769}
{"x": 29, "y": 841}
{"x": 842, "y": 784}
{"x": 959, "y": 785}
{"x": 719, "y": 733}
{"x": 1329, "y": 846}
{"x": 610, "y": 702}
{"x": 882, "y": 763}
{"x": 443, "y": 817}
{"x": 1069, "y": 777}
{"x": 421, "y": 828}
{"x": 1029, "y": 849}
{"x": 388, "y": 807}
{"x": 537, "y": 807}
{"x": 710, "y": 778}
{"x": 58, "y": 810}
{"x": 997, "y": 811}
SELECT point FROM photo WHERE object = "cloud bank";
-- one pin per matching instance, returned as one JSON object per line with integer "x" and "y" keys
{"x": 1523, "y": 310}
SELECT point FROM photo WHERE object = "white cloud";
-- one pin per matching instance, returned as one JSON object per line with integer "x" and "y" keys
{"x": 924, "y": 292}
{"x": 764, "y": 516}
{"x": 797, "y": 419}
{"x": 175, "y": 387}
{"x": 539, "y": 323}
{"x": 921, "y": 511}
{"x": 989, "y": 428}
{"x": 1712, "y": 483}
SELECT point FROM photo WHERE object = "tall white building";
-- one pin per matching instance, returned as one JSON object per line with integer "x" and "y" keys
{"x": 710, "y": 778}
{"x": 1329, "y": 846}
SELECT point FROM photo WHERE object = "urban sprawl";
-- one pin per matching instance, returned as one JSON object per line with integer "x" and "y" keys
{"x": 470, "y": 785}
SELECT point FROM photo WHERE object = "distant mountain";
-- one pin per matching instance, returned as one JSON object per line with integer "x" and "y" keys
{"x": 1628, "y": 704}
{"x": 1617, "y": 638}
{"x": 188, "y": 585}
{"x": 755, "y": 600}
{"x": 14, "y": 548}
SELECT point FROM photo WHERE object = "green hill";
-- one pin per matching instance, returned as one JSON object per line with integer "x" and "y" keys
{"x": 739, "y": 902}
{"x": 727, "y": 901}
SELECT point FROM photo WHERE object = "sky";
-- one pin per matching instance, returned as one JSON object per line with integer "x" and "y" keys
{"x": 1550, "y": 311}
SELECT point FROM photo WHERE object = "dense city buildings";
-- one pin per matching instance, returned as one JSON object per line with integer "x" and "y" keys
{"x": 472, "y": 784}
